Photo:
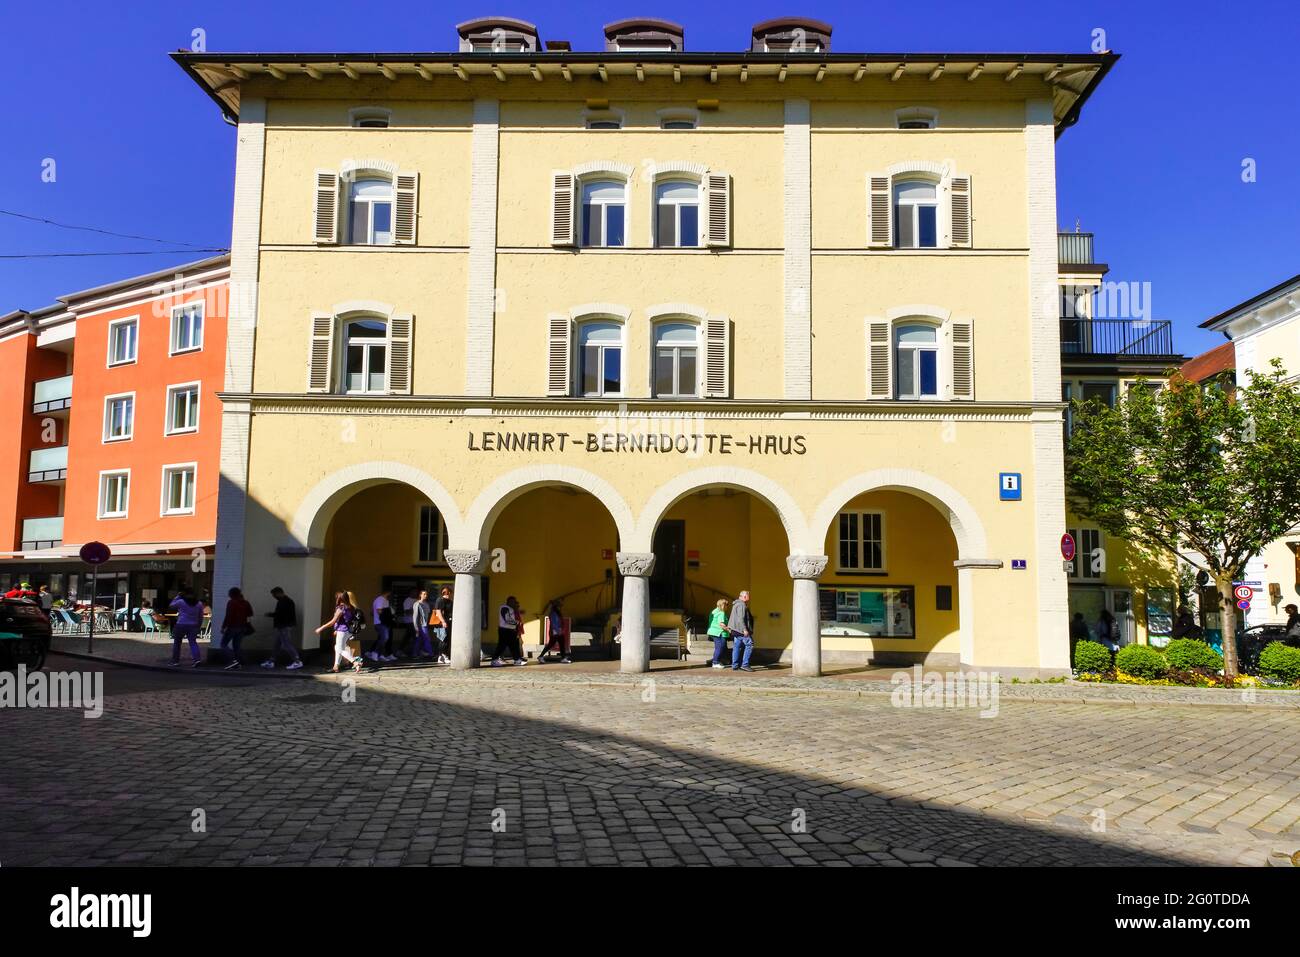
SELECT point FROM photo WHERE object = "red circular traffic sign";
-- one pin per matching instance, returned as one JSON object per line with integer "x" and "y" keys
{"x": 1243, "y": 605}
{"x": 1067, "y": 547}
{"x": 1244, "y": 592}
{"x": 95, "y": 553}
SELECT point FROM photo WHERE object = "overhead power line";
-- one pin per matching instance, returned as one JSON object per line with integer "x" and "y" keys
{"x": 95, "y": 229}
{"x": 144, "y": 252}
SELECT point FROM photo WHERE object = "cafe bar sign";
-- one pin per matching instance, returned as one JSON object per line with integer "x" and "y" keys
{"x": 642, "y": 442}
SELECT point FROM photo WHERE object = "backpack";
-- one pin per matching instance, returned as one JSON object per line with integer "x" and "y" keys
{"x": 352, "y": 621}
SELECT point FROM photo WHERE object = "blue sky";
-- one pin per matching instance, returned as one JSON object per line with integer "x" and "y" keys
{"x": 1154, "y": 168}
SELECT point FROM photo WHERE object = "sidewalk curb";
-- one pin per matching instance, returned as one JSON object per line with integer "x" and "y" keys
{"x": 141, "y": 666}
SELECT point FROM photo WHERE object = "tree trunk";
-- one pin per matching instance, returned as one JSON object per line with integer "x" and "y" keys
{"x": 1228, "y": 625}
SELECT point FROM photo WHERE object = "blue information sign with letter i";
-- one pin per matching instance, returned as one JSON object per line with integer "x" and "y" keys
{"x": 1009, "y": 486}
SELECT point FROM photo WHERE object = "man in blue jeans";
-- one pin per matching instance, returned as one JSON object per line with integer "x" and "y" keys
{"x": 741, "y": 626}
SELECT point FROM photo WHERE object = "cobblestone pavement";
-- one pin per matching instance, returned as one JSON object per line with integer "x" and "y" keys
{"x": 430, "y": 767}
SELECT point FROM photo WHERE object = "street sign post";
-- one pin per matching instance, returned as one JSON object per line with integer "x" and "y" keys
{"x": 1244, "y": 593}
{"x": 93, "y": 554}
{"x": 1067, "y": 547}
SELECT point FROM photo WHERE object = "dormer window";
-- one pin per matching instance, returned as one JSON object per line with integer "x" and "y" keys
{"x": 917, "y": 118}
{"x": 644, "y": 36}
{"x": 497, "y": 35}
{"x": 603, "y": 119}
{"x": 790, "y": 35}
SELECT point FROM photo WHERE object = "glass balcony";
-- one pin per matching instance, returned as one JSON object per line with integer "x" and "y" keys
{"x": 42, "y": 533}
{"x": 52, "y": 395}
{"x": 48, "y": 465}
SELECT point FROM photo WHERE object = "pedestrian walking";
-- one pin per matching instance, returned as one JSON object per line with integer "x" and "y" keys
{"x": 510, "y": 620}
{"x": 235, "y": 626}
{"x": 442, "y": 609}
{"x": 718, "y": 632}
{"x": 554, "y": 633}
{"x": 189, "y": 618}
{"x": 1108, "y": 630}
{"x": 1078, "y": 632}
{"x": 381, "y": 613}
{"x": 741, "y": 626}
{"x": 283, "y": 620}
{"x": 1292, "y": 624}
{"x": 46, "y": 601}
{"x": 421, "y": 617}
{"x": 345, "y": 621}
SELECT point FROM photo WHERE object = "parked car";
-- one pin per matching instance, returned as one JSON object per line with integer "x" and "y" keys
{"x": 24, "y": 634}
{"x": 1253, "y": 640}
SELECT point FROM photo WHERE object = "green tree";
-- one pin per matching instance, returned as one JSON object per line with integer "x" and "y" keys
{"x": 1210, "y": 474}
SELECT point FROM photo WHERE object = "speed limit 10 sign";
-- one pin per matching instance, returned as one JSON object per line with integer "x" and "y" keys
{"x": 1244, "y": 592}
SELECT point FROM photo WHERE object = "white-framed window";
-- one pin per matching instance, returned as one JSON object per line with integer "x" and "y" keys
{"x": 119, "y": 417}
{"x": 431, "y": 539}
{"x": 123, "y": 336}
{"x": 604, "y": 210}
{"x": 1103, "y": 392}
{"x": 187, "y": 327}
{"x": 917, "y": 361}
{"x": 676, "y": 358}
{"x": 677, "y": 213}
{"x": 1090, "y": 554}
{"x": 365, "y": 356}
{"x": 114, "y": 493}
{"x": 916, "y": 118}
{"x": 600, "y": 359}
{"x": 178, "y": 483}
{"x": 370, "y": 212}
{"x": 182, "y": 409}
{"x": 861, "y": 538}
{"x": 916, "y": 214}
{"x": 370, "y": 118}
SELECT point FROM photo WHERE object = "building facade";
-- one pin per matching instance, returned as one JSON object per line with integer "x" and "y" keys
{"x": 115, "y": 392}
{"x": 1260, "y": 330}
{"x": 642, "y": 327}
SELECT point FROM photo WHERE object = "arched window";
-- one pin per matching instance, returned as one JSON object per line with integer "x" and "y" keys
{"x": 676, "y": 372}
{"x": 365, "y": 356}
{"x": 918, "y": 361}
{"x": 916, "y": 214}
{"x": 370, "y": 212}
{"x": 600, "y": 359}
{"x": 677, "y": 213}
{"x": 604, "y": 204}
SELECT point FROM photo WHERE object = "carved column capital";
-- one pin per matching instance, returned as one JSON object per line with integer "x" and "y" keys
{"x": 806, "y": 566}
{"x": 464, "y": 561}
{"x": 635, "y": 564}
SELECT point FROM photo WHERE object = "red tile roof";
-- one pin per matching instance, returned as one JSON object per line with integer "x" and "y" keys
{"x": 1208, "y": 364}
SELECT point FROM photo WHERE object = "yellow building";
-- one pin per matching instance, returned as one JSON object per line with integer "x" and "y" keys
{"x": 1108, "y": 342}
{"x": 643, "y": 327}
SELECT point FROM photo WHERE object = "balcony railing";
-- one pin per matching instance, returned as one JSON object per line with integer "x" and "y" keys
{"x": 1117, "y": 337}
{"x": 1074, "y": 249}
{"x": 52, "y": 395}
{"x": 42, "y": 533}
{"x": 48, "y": 465}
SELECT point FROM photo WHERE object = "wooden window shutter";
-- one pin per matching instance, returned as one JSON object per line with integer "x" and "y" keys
{"x": 961, "y": 333}
{"x": 880, "y": 359}
{"x": 406, "y": 190}
{"x": 717, "y": 357}
{"x": 399, "y": 355}
{"x": 326, "y": 227}
{"x": 563, "y": 210}
{"x": 959, "y": 211}
{"x": 880, "y": 212}
{"x": 320, "y": 359}
{"x": 559, "y": 332}
{"x": 717, "y": 188}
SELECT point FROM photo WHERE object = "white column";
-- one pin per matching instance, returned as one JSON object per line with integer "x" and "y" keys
{"x": 466, "y": 636}
{"x": 805, "y": 620}
{"x": 635, "y": 567}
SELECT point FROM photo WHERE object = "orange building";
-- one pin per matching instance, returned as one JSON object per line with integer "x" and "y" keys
{"x": 113, "y": 393}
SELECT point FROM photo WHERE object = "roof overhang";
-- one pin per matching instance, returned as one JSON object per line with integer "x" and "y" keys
{"x": 1262, "y": 310}
{"x": 1070, "y": 78}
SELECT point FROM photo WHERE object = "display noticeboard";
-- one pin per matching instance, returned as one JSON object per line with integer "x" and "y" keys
{"x": 868, "y": 611}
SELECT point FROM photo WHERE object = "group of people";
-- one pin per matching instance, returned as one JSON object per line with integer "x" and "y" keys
{"x": 510, "y": 634}
{"x": 736, "y": 625}
{"x": 235, "y": 627}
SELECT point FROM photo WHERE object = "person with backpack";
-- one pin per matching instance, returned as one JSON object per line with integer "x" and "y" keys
{"x": 718, "y": 632}
{"x": 442, "y": 609}
{"x": 345, "y": 624}
{"x": 236, "y": 626}
{"x": 509, "y": 622}
{"x": 381, "y": 611}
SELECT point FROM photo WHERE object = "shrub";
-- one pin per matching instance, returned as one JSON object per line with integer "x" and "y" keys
{"x": 1092, "y": 657}
{"x": 1280, "y": 661}
{"x": 1187, "y": 654}
{"x": 1141, "y": 661}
